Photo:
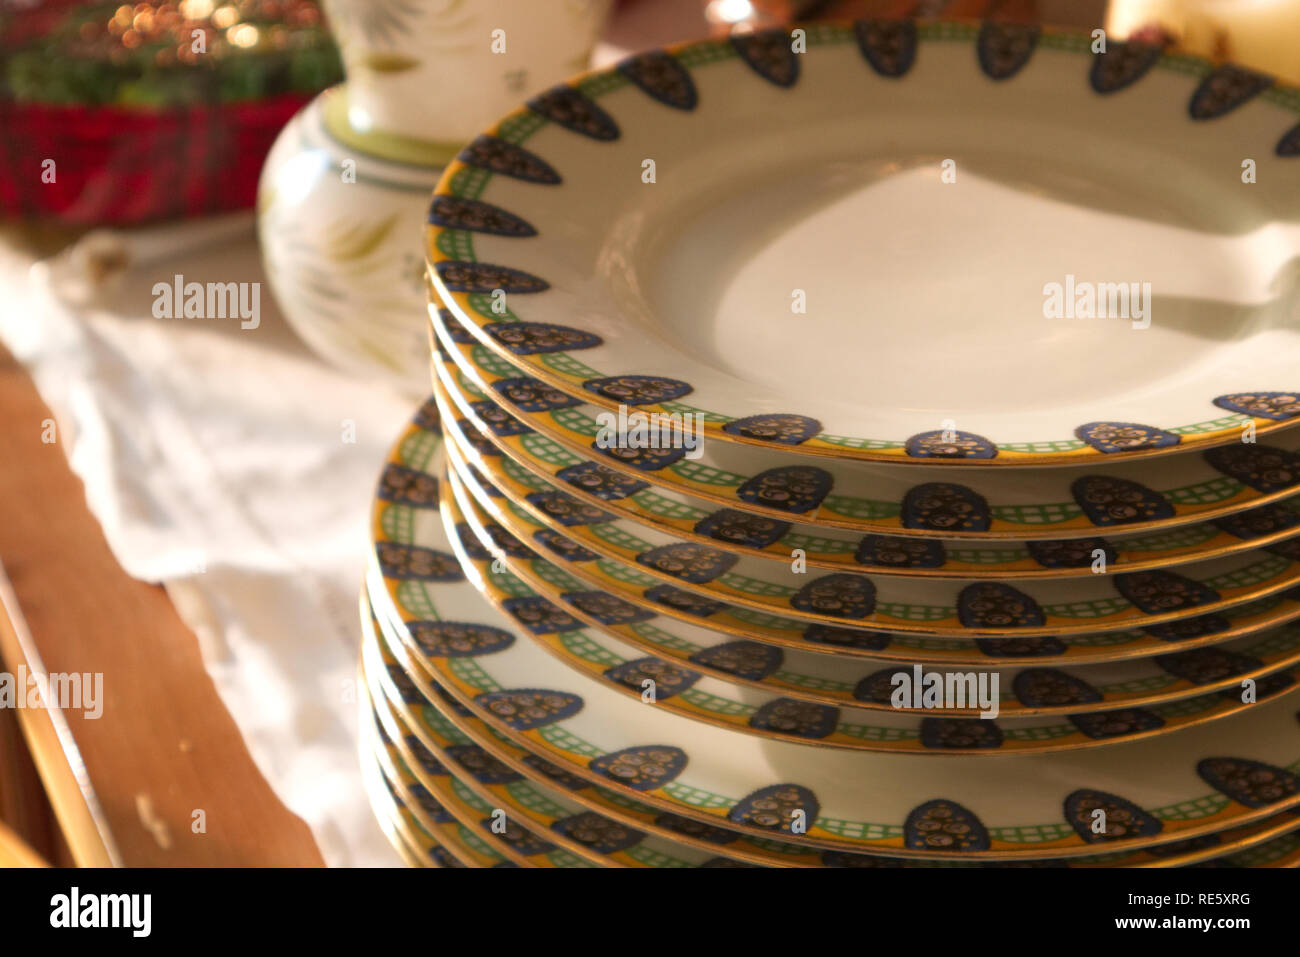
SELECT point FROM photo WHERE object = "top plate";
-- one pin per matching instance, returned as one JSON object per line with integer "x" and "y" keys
{"x": 916, "y": 189}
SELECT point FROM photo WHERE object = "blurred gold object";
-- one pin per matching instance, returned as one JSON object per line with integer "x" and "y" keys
{"x": 14, "y": 852}
{"x": 1260, "y": 34}
{"x": 738, "y": 16}
{"x": 741, "y": 15}
{"x": 54, "y": 751}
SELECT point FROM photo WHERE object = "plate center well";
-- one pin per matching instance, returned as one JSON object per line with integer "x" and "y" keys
{"x": 938, "y": 296}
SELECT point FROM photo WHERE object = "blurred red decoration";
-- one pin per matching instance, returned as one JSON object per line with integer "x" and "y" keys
{"x": 122, "y": 113}
{"x": 123, "y": 166}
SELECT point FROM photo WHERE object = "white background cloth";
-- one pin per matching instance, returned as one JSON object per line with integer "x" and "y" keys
{"x": 215, "y": 459}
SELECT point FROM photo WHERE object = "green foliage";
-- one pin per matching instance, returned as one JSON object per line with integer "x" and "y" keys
{"x": 60, "y": 68}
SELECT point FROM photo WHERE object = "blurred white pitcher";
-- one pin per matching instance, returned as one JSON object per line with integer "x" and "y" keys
{"x": 444, "y": 69}
{"x": 344, "y": 192}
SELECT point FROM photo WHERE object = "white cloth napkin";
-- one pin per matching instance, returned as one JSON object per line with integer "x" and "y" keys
{"x": 219, "y": 462}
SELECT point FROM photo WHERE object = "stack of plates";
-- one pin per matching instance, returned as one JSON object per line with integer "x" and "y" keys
{"x": 766, "y": 512}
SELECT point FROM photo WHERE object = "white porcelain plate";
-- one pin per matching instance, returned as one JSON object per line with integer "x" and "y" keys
{"x": 909, "y": 241}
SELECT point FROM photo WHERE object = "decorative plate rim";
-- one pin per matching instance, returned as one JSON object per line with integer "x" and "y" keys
{"x": 809, "y": 689}
{"x": 395, "y": 766}
{"x": 842, "y": 740}
{"x": 840, "y": 838}
{"x": 1185, "y": 504}
{"x": 1241, "y": 621}
{"x": 1022, "y": 565}
{"x": 388, "y": 815}
{"x": 1176, "y": 691}
{"x": 448, "y": 799}
{"x": 562, "y": 759}
{"x": 1256, "y": 834}
{"x": 518, "y": 810}
{"x": 496, "y": 746}
{"x": 737, "y": 605}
